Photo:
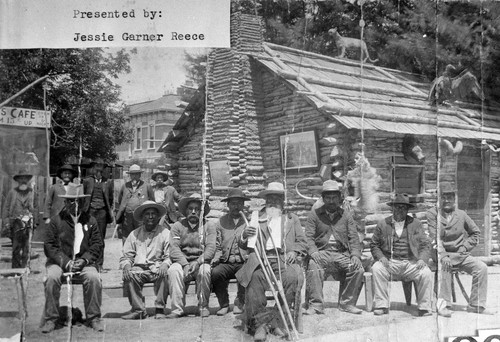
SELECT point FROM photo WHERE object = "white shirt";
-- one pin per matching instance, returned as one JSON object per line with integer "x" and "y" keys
{"x": 274, "y": 226}
{"x": 399, "y": 226}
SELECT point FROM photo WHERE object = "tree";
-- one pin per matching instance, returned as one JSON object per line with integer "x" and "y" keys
{"x": 84, "y": 101}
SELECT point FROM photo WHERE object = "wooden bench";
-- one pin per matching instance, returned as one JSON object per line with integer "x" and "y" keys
{"x": 18, "y": 274}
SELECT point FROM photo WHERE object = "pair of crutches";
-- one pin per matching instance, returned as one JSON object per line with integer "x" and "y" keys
{"x": 275, "y": 285}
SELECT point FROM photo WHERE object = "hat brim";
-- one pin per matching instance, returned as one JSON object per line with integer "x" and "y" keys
{"x": 237, "y": 197}
{"x": 409, "y": 205}
{"x": 264, "y": 193}
{"x": 16, "y": 177}
{"x": 74, "y": 196}
{"x": 140, "y": 210}
{"x": 156, "y": 174}
{"x": 60, "y": 171}
{"x": 185, "y": 201}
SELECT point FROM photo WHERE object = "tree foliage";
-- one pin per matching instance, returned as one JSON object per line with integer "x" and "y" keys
{"x": 84, "y": 101}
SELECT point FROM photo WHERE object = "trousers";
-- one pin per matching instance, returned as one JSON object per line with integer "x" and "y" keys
{"x": 100, "y": 216}
{"x": 139, "y": 277}
{"x": 221, "y": 274}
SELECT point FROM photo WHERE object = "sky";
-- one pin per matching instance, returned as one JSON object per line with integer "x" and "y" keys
{"x": 154, "y": 72}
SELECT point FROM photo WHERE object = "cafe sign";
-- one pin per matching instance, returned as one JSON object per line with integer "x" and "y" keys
{"x": 14, "y": 116}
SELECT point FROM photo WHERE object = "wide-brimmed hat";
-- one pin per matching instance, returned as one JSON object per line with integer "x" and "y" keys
{"x": 147, "y": 205}
{"x": 66, "y": 167}
{"x": 235, "y": 193}
{"x": 330, "y": 186}
{"x": 74, "y": 191}
{"x": 273, "y": 188}
{"x": 159, "y": 173}
{"x": 446, "y": 188}
{"x": 183, "y": 203}
{"x": 134, "y": 169}
{"x": 401, "y": 199}
{"x": 23, "y": 173}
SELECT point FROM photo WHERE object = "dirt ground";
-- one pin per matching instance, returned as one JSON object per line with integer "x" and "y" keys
{"x": 401, "y": 324}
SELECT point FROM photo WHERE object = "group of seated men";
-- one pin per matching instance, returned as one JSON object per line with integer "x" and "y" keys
{"x": 211, "y": 253}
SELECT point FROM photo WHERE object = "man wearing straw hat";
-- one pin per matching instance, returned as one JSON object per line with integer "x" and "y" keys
{"x": 166, "y": 195}
{"x": 146, "y": 259}
{"x": 53, "y": 203}
{"x": 281, "y": 240}
{"x": 18, "y": 218}
{"x": 458, "y": 236}
{"x": 229, "y": 257}
{"x": 132, "y": 194}
{"x": 192, "y": 248}
{"x": 72, "y": 244}
{"x": 334, "y": 248}
{"x": 401, "y": 251}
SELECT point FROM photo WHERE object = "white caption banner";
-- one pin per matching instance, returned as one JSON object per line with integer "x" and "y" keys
{"x": 13, "y": 116}
{"x": 113, "y": 23}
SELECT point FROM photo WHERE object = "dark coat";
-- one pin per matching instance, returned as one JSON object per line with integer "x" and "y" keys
{"x": 108, "y": 188}
{"x": 60, "y": 236}
{"x": 293, "y": 239}
{"x": 227, "y": 234}
{"x": 53, "y": 203}
{"x": 381, "y": 244}
{"x": 125, "y": 194}
{"x": 319, "y": 228}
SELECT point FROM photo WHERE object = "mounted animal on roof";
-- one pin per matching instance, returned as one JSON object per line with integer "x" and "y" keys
{"x": 446, "y": 88}
{"x": 344, "y": 43}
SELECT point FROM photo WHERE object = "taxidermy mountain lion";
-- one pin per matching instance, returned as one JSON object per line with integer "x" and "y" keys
{"x": 344, "y": 43}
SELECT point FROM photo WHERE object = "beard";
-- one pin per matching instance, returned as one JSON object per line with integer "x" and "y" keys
{"x": 273, "y": 212}
{"x": 193, "y": 219}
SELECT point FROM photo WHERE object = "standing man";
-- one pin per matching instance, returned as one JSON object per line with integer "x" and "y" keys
{"x": 192, "y": 248}
{"x": 283, "y": 242}
{"x": 401, "y": 251}
{"x": 458, "y": 236}
{"x": 99, "y": 203}
{"x": 146, "y": 259}
{"x": 132, "y": 194}
{"x": 18, "y": 218}
{"x": 229, "y": 257}
{"x": 166, "y": 195}
{"x": 53, "y": 203}
{"x": 73, "y": 244}
{"x": 334, "y": 248}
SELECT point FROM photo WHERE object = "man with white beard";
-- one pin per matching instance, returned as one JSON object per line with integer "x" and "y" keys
{"x": 284, "y": 243}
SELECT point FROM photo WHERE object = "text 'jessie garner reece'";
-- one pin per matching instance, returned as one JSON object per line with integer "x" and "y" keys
{"x": 127, "y": 36}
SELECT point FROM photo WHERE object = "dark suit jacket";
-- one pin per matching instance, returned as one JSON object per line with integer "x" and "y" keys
{"x": 126, "y": 193}
{"x": 88, "y": 188}
{"x": 53, "y": 203}
{"x": 381, "y": 244}
{"x": 227, "y": 234}
{"x": 319, "y": 228}
{"x": 293, "y": 239}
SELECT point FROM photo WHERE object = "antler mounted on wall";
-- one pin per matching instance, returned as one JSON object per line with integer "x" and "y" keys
{"x": 448, "y": 146}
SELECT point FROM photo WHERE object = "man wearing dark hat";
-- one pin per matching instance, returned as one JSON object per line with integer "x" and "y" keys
{"x": 458, "y": 235}
{"x": 166, "y": 195}
{"x": 192, "y": 248}
{"x": 53, "y": 203}
{"x": 401, "y": 251}
{"x": 73, "y": 244}
{"x": 334, "y": 248}
{"x": 282, "y": 240}
{"x": 99, "y": 203}
{"x": 229, "y": 257}
{"x": 132, "y": 194}
{"x": 146, "y": 259}
{"x": 17, "y": 216}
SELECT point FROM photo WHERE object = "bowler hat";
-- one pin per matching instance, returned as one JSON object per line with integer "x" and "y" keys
{"x": 23, "y": 173}
{"x": 134, "y": 169}
{"x": 74, "y": 191}
{"x": 156, "y": 174}
{"x": 66, "y": 167}
{"x": 183, "y": 203}
{"x": 330, "y": 186}
{"x": 401, "y": 199}
{"x": 235, "y": 193}
{"x": 446, "y": 188}
{"x": 147, "y": 205}
{"x": 273, "y": 188}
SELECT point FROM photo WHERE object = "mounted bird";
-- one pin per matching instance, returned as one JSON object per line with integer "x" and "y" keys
{"x": 446, "y": 88}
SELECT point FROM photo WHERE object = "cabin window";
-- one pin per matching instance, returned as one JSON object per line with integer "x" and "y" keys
{"x": 407, "y": 176}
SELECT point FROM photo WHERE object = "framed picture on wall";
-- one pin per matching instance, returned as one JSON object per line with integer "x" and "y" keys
{"x": 299, "y": 151}
{"x": 219, "y": 174}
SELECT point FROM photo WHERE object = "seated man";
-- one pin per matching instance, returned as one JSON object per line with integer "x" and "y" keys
{"x": 146, "y": 259}
{"x": 283, "y": 241}
{"x": 72, "y": 244}
{"x": 229, "y": 258}
{"x": 458, "y": 236}
{"x": 401, "y": 251}
{"x": 334, "y": 248}
{"x": 192, "y": 248}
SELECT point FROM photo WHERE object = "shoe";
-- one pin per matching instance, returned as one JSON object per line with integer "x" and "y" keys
{"x": 174, "y": 315}
{"x": 48, "y": 326}
{"x": 350, "y": 309}
{"x": 445, "y": 312}
{"x": 204, "y": 312}
{"x": 222, "y": 311}
{"x": 238, "y": 307}
{"x": 97, "y": 324}
{"x": 278, "y": 332}
{"x": 424, "y": 313}
{"x": 136, "y": 315}
{"x": 381, "y": 311}
{"x": 261, "y": 333}
{"x": 314, "y": 311}
{"x": 160, "y": 314}
{"x": 480, "y": 310}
